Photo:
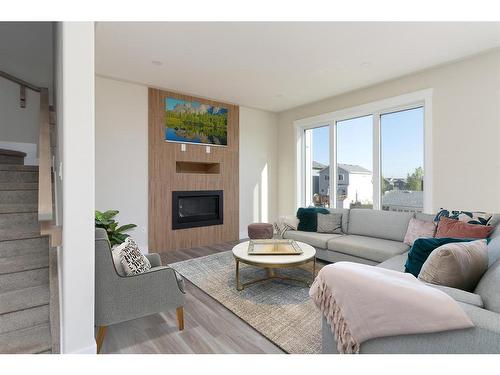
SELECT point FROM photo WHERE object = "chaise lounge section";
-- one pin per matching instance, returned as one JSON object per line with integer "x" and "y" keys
{"x": 376, "y": 238}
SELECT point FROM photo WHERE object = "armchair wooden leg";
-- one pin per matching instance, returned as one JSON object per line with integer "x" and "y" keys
{"x": 180, "y": 317}
{"x": 101, "y": 332}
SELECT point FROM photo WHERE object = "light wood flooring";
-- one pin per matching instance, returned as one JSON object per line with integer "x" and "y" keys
{"x": 209, "y": 326}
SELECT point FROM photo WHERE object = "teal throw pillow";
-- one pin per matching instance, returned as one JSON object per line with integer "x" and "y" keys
{"x": 308, "y": 218}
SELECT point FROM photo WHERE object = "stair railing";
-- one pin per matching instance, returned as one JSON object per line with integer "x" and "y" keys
{"x": 46, "y": 215}
{"x": 23, "y": 86}
{"x": 45, "y": 194}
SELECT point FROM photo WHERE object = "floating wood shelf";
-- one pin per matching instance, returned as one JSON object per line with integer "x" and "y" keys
{"x": 197, "y": 167}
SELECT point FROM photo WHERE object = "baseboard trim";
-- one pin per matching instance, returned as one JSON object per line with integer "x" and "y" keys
{"x": 92, "y": 349}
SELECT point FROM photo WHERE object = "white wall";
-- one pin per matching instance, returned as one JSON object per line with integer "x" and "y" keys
{"x": 75, "y": 104}
{"x": 26, "y": 52}
{"x": 121, "y": 149}
{"x": 122, "y": 158}
{"x": 466, "y": 131}
{"x": 258, "y": 167}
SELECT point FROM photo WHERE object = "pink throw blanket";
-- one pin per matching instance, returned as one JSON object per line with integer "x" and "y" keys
{"x": 363, "y": 302}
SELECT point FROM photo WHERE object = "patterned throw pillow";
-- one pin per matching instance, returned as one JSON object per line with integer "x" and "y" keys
{"x": 284, "y": 223}
{"x": 469, "y": 217}
{"x": 132, "y": 260}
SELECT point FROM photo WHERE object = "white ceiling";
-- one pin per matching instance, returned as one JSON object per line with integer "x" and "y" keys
{"x": 277, "y": 65}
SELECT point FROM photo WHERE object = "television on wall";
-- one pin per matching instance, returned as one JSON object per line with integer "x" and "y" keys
{"x": 194, "y": 122}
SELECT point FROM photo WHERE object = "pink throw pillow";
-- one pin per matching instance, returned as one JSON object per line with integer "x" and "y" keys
{"x": 458, "y": 229}
{"x": 418, "y": 229}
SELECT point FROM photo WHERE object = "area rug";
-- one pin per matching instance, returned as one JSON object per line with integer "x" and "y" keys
{"x": 279, "y": 310}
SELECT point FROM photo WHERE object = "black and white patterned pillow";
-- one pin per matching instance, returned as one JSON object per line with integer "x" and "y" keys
{"x": 285, "y": 223}
{"x": 470, "y": 217}
{"x": 132, "y": 260}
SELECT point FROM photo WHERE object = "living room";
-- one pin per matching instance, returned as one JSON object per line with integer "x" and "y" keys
{"x": 259, "y": 187}
{"x": 400, "y": 124}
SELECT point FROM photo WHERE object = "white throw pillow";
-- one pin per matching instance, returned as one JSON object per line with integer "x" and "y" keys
{"x": 116, "y": 252}
{"x": 132, "y": 260}
{"x": 284, "y": 223}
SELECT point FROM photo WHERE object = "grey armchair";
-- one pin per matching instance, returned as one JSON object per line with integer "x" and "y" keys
{"x": 119, "y": 298}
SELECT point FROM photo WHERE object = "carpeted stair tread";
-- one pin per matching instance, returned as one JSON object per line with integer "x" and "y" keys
{"x": 19, "y": 220}
{"x": 18, "y": 208}
{"x": 29, "y": 340}
{"x": 24, "y": 318}
{"x": 24, "y": 279}
{"x": 21, "y": 299}
{"x": 18, "y": 186}
{"x": 13, "y": 176}
{"x": 29, "y": 246}
{"x": 15, "y": 167}
{"x": 18, "y": 196}
{"x": 17, "y": 234}
{"x": 23, "y": 263}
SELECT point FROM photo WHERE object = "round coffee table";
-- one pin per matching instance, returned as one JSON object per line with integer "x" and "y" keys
{"x": 272, "y": 262}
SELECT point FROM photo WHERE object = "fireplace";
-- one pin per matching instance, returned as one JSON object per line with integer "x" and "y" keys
{"x": 191, "y": 209}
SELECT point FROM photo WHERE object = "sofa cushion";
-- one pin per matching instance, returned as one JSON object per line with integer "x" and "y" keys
{"x": 419, "y": 228}
{"x": 376, "y": 249}
{"x": 458, "y": 229}
{"x": 424, "y": 217}
{"x": 308, "y": 218}
{"x": 471, "y": 217}
{"x": 312, "y": 238}
{"x": 421, "y": 249}
{"x": 381, "y": 224}
{"x": 488, "y": 288}
{"x": 457, "y": 265}
{"x": 461, "y": 295}
{"x": 330, "y": 223}
{"x": 345, "y": 216}
{"x": 397, "y": 263}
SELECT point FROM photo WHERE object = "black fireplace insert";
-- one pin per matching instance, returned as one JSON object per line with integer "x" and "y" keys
{"x": 191, "y": 209}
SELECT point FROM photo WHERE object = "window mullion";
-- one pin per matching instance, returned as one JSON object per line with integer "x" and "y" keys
{"x": 333, "y": 164}
{"x": 376, "y": 176}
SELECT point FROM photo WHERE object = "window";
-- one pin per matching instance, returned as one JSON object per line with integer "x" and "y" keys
{"x": 402, "y": 161}
{"x": 379, "y": 152}
{"x": 317, "y": 151}
{"x": 354, "y": 158}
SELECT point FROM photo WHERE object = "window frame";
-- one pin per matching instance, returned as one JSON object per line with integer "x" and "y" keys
{"x": 422, "y": 98}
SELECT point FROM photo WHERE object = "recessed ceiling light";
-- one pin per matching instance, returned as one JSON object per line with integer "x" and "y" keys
{"x": 157, "y": 63}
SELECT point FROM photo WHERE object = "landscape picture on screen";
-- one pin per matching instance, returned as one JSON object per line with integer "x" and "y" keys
{"x": 194, "y": 122}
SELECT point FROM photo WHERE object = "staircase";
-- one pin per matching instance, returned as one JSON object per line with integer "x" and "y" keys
{"x": 25, "y": 263}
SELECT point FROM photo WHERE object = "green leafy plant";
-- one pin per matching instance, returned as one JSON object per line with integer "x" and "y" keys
{"x": 115, "y": 233}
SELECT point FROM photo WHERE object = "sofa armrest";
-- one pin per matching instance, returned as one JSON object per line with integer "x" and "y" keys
{"x": 154, "y": 259}
{"x": 484, "y": 337}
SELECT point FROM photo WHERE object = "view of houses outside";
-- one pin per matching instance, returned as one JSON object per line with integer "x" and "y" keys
{"x": 402, "y": 158}
{"x": 401, "y": 162}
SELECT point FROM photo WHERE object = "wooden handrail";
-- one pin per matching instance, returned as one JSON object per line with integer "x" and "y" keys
{"x": 45, "y": 206}
{"x": 45, "y": 197}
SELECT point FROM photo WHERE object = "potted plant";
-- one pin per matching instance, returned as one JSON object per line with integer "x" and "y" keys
{"x": 115, "y": 233}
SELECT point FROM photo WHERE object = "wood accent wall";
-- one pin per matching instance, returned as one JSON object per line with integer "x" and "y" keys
{"x": 163, "y": 179}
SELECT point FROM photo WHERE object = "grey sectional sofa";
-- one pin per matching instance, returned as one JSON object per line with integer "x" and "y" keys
{"x": 376, "y": 238}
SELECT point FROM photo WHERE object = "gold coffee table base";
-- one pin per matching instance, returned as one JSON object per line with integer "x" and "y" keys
{"x": 271, "y": 273}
